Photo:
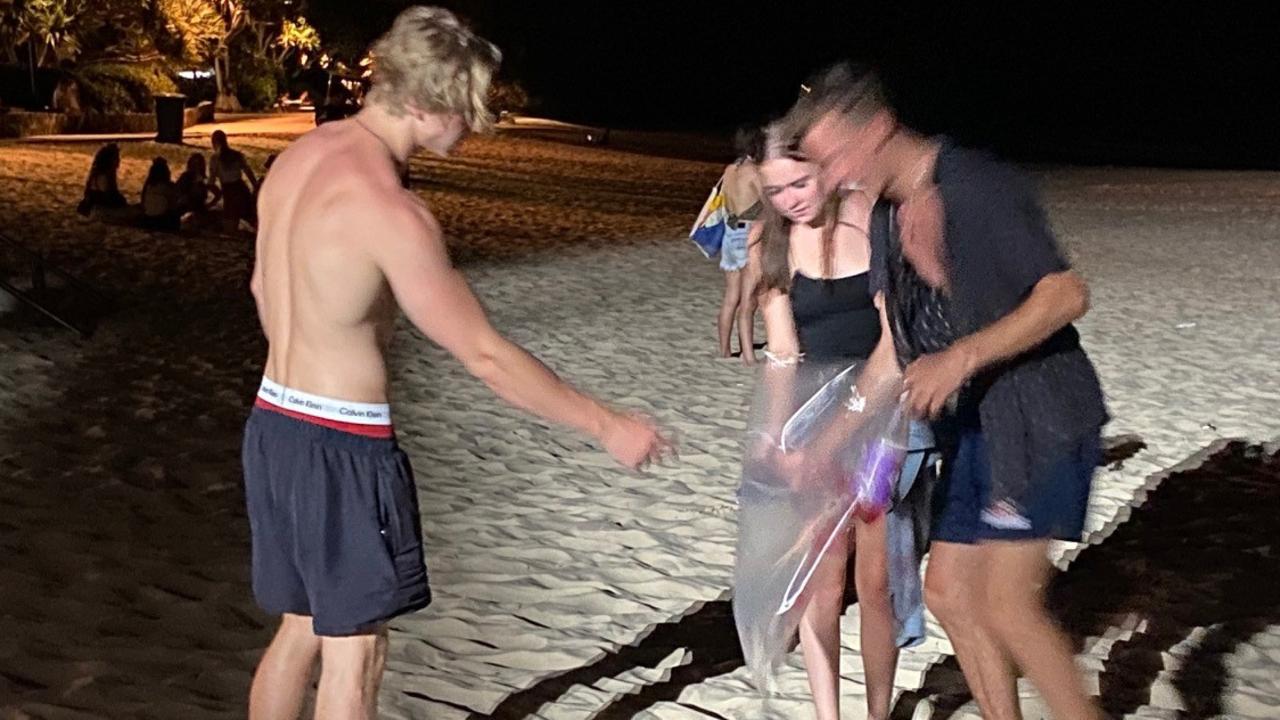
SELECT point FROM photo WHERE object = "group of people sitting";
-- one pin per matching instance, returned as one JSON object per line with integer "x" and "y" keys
{"x": 170, "y": 206}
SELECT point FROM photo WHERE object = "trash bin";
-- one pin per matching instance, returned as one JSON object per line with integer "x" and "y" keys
{"x": 169, "y": 117}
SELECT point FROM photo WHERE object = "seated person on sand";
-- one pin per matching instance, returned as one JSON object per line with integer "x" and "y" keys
{"x": 229, "y": 168}
{"x": 160, "y": 199}
{"x": 196, "y": 197}
{"x": 102, "y": 198}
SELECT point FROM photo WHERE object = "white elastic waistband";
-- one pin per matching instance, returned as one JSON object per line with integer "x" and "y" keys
{"x": 323, "y": 407}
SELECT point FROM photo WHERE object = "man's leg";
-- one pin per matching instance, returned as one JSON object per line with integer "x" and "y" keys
{"x": 954, "y": 593}
{"x": 1016, "y": 575}
{"x": 280, "y": 684}
{"x": 350, "y": 673}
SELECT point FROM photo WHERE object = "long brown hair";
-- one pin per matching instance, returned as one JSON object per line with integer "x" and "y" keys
{"x": 775, "y": 235}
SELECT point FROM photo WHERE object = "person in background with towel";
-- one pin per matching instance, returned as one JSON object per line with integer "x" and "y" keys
{"x": 740, "y": 185}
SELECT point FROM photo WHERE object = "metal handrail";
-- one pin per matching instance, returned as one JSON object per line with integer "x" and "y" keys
{"x": 39, "y": 260}
{"x": 40, "y": 268}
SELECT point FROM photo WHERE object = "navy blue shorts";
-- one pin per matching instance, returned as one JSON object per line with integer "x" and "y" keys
{"x": 335, "y": 525}
{"x": 962, "y": 506}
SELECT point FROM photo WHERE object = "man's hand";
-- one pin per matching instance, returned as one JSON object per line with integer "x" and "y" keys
{"x": 634, "y": 441}
{"x": 932, "y": 379}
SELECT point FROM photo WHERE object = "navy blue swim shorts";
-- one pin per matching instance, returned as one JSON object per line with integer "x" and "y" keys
{"x": 335, "y": 524}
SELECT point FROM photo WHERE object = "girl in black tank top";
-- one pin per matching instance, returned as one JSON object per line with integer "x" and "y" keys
{"x": 809, "y": 258}
{"x": 834, "y": 318}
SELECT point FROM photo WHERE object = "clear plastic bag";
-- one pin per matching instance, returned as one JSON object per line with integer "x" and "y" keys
{"x": 876, "y": 477}
{"x": 820, "y": 450}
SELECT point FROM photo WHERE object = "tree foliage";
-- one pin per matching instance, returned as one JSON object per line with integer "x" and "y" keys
{"x": 160, "y": 36}
{"x": 48, "y": 26}
{"x": 297, "y": 36}
{"x": 196, "y": 26}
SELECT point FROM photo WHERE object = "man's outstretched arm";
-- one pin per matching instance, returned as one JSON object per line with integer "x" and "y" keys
{"x": 436, "y": 298}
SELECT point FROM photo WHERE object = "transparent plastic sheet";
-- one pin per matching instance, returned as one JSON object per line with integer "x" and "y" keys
{"x": 819, "y": 451}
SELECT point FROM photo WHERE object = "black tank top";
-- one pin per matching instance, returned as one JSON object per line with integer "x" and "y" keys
{"x": 835, "y": 319}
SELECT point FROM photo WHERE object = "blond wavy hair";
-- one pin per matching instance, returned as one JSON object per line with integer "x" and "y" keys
{"x": 430, "y": 61}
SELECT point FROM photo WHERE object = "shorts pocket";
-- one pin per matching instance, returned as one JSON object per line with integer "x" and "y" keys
{"x": 398, "y": 518}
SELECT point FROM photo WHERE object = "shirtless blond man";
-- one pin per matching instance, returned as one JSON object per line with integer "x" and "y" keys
{"x": 337, "y": 548}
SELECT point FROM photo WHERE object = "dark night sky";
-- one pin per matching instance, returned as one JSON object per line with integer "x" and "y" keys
{"x": 1126, "y": 81}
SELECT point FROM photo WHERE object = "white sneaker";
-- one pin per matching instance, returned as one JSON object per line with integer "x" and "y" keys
{"x": 923, "y": 711}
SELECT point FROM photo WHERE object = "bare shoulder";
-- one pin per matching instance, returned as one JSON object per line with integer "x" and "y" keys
{"x": 339, "y": 196}
{"x": 396, "y": 225}
{"x": 397, "y": 211}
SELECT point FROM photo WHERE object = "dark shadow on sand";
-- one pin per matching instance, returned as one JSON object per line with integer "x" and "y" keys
{"x": 1199, "y": 553}
{"x": 708, "y": 633}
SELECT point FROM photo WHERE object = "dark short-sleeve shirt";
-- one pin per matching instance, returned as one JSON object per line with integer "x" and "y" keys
{"x": 999, "y": 245}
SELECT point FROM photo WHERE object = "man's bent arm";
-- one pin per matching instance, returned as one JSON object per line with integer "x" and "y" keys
{"x": 440, "y": 303}
{"x": 1056, "y": 300}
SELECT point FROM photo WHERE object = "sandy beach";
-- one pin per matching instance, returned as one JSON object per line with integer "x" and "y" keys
{"x": 566, "y": 588}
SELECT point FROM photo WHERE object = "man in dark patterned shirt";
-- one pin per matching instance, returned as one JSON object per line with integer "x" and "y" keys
{"x": 981, "y": 301}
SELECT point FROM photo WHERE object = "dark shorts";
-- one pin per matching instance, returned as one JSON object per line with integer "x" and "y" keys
{"x": 238, "y": 201}
{"x": 962, "y": 510}
{"x": 335, "y": 525}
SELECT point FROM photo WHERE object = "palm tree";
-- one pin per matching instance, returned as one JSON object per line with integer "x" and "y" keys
{"x": 46, "y": 26}
{"x": 234, "y": 18}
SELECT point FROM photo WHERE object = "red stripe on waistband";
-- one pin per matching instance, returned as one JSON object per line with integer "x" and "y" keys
{"x": 382, "y": 432}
